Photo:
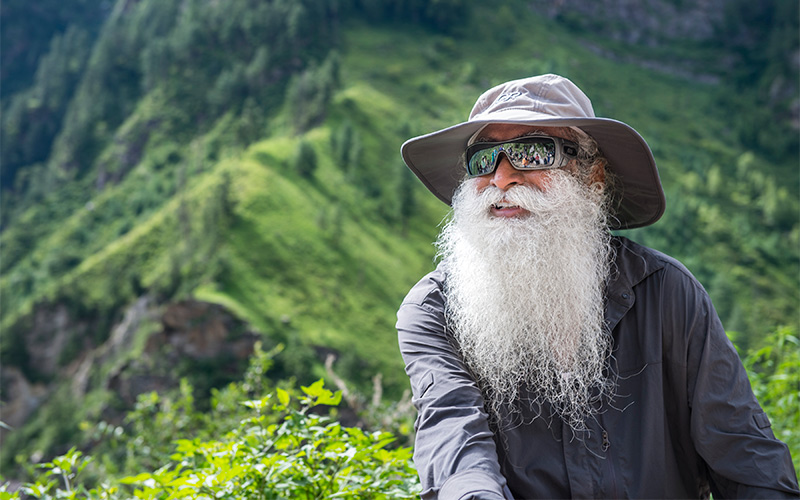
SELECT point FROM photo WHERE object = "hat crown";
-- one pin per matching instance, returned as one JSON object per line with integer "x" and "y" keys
{"x": 551, "y": 96}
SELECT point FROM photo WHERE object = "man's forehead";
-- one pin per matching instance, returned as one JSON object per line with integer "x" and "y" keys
{"x": 495, "y": 132}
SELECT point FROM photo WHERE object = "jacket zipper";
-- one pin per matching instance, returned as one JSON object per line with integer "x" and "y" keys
{"x": 609, "y": 465}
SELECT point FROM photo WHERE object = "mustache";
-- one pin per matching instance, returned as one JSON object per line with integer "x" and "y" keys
{"x": 563, "y": 191}
{"x": 516, "y": 194}
{"x": 527, "y": 197}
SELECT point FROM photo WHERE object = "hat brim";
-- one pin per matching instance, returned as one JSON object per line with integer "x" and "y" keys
{"x": 435, "y": 159}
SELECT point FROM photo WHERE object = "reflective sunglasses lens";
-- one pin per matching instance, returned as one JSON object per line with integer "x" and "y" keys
{"x": 482, "y": 162}
{"x": 531, "y": 155}
{"x": 528, "y": 154}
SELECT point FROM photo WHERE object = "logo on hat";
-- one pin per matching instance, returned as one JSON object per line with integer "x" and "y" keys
{"x": 509, "y": 96}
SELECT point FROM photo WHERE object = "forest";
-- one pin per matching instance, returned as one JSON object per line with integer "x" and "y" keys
{"x": 206, "y": 227}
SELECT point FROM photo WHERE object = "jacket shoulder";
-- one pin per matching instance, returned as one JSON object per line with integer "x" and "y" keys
{"x": 429, "y": 291}
{"x": 638, "y": 262}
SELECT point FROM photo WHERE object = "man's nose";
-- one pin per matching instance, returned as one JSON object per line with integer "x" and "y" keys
{"x": 505, "y": 176}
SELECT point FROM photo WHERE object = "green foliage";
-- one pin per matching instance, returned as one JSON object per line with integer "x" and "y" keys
{"x": 346, "y": 146}
{"x": 444, "y": 16}
{"x": 28, "y": 31}
{"x": 774, "y": 371}
{"x": 33, "y": 117}
{"x": 64, "y": 468}
{"x": 762, "y": 48}
{"x": 407, "y": 199}
{"x": 282, "y": 450}
{"x": 310, "y": 93}
{"x": 53, "y": 428}
{"x": 304, "y": 161}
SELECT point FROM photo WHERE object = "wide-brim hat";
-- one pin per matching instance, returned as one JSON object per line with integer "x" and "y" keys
{"x": 547, "y": 101}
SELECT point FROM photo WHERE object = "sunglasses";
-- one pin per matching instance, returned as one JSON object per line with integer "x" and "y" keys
{"x": 535, "y": 152}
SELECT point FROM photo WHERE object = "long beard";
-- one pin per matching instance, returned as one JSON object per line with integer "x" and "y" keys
{"x": 525, "y": 296}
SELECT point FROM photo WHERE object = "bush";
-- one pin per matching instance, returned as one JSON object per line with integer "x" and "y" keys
{"x": 283, "y": 450}
{"x": 774, "y": 371}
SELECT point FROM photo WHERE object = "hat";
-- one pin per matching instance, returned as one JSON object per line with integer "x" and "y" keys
{"x": 547, "y": 101}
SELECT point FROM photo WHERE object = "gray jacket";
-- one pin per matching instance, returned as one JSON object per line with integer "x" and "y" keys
{"x": 684, "y": 421}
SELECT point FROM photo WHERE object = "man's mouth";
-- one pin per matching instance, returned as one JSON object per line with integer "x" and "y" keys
{"x": 506, "y": 209}
{"x": 503, "y": 205}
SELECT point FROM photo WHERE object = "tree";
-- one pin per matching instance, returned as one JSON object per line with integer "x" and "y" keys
{"x": 304, "y": 161}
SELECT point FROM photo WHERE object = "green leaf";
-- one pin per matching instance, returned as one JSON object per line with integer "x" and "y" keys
{"x": 314, "y": 390}
{"x": 139, "y": 478}
{"x": 329, "y": 398}
{"x": 321, "y": 396}
{"x": 283, "y": 396}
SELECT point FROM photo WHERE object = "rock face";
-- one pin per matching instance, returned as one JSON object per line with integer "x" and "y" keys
{"x": 20, "y": 397}
{"x": 668, "y": 24}
{"x": 178, "y": 338}
{"x": 51, "y": 335}
{"x": 201, "y": 330}
{"x": 644, "y": 22}
{"x": 194, "y": 336}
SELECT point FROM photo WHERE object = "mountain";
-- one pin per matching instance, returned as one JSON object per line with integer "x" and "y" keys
{"x": 181, "y": 180}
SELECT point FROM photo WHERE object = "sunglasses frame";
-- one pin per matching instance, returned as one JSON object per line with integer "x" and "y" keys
{"x": 564, "y": 151}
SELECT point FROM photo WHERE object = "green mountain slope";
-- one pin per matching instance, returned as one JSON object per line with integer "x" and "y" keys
{"x": 248, "y": 156}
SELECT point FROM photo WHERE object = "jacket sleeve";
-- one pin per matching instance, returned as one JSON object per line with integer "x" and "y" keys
{"x": 729, "y": 429}
{"x": 454, "y": 450}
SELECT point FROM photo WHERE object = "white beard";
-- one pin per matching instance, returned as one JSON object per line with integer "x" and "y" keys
{"x": 525, "y": 296}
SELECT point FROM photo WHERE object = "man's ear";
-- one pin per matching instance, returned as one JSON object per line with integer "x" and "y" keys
{"x": 598, "y": 175}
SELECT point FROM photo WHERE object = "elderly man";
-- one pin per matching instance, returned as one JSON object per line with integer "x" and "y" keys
{"x": 550, "y": 359}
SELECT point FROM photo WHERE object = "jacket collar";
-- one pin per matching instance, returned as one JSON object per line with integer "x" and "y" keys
{"x": 632, "y": 264}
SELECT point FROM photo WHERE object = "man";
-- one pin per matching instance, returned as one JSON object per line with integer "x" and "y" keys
{"x": 549, "y": 359}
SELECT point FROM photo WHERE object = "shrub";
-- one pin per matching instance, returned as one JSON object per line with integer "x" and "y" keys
{"x": 299, "y": 455}
{"x": 774, "y": 371}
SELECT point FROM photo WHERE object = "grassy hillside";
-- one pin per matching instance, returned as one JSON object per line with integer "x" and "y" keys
{"x": 190, "y": 163}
